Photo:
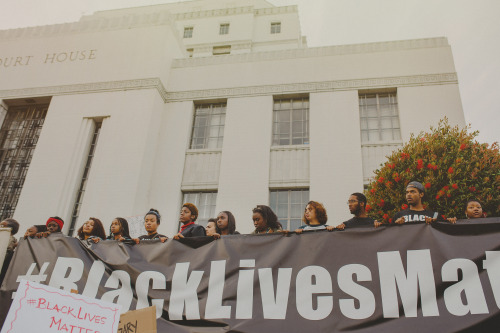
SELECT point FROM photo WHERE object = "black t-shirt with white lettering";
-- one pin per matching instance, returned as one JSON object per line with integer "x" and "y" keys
{"x": 359, "y": 222}
{"x": 414, "y": 215}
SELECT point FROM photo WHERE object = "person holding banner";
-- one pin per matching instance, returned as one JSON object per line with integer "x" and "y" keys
{"x": 33, "y": 230}
{"x": 473, "y": 209}
{"x": 91, "y": 231}
{"x": 189, "y": 214}
{"x": 265, "y": 220}
{"x": 226, "y": 225}
{"x": 152, "y": 221}
{"x": 54, "y": 226}
{"x": 119, "y": 230}
{"x": 315, "y": 218}
{"x": 210, "y": 228}
{"x": 416, "y": 212}
{"x": 357, "y": 207}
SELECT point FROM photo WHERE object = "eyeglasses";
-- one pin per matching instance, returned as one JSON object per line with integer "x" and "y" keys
{"x": 351, "y": 201}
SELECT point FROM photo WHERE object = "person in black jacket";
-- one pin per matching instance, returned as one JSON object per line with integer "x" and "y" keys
{"x": 152, "y": 221}
{"x": 189, "y": 214}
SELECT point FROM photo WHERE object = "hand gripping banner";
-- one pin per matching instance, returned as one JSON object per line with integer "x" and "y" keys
{"x": 411, "y": 278}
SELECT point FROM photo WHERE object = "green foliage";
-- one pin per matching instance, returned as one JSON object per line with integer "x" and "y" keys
{"x": 451, "y": 165}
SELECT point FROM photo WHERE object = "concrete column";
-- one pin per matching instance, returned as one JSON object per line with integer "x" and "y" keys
{"x": 122, "y": 162}
{"x": 165, "y": 187}
{"x": 244, "y": 171}
{"x": 335, "y": 155}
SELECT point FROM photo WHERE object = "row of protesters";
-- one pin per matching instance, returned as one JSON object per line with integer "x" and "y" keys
{"x": 264, "y": 219}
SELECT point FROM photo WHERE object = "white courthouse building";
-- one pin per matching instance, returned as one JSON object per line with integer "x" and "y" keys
{"x": 218, "y": 103}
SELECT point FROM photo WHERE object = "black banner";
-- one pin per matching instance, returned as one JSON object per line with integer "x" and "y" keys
{"x": 411, "y": 278}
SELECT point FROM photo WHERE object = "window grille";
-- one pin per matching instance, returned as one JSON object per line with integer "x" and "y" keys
{"x": 19, "y": 135}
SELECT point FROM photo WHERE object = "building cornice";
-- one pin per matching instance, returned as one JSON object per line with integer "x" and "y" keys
{"x": 276, "y": 10}
{"x": 101, "y": 23}
{"x": 311, "y": 87}
{"x": 314, "y": 52}
{"x": 176, "y": 96}
{"x": 214, "y": 13}
{"x": 91, "y": 25}
{"x": 87, "y": 88}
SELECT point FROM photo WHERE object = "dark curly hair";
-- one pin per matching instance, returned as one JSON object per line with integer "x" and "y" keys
{"x": 320, "y": 212}
{"x": 231, "y": 223}
{"x": 13, "y": 224}
{"x": 268, "y": 215}
{"x": 97, "y": 230}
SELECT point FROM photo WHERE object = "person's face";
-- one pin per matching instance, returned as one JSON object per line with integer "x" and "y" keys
{"x": 52, "y": 227}
{"x": 474, "y": 210}
{"x": 222, "y": 221}
{"x": 413, "y": 196}
{"x": 210, "y": 228}
{"x": 186, "y": 215}
{"x": 258, "y": 221}
{"x": 88, "y": 227}
{"x": 310, "y": 213}
{"x": 31, "y": 232}
{"x": 354, "y": 205}
{"x": 150, "y": 223}
{"x": 115, "y": 226}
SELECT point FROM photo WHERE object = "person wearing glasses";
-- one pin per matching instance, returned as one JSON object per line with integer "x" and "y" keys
{"x": 357, "y": 207}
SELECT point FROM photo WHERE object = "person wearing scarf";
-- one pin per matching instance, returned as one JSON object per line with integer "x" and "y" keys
{"x": 189, "y": 214}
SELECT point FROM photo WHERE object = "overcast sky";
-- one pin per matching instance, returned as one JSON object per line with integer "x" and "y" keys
{"x": 471, "y": 26}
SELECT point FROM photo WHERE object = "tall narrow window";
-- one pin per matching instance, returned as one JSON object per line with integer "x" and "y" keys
{"x": 378, "y": 114}
{"x": 275, "y": 27}
{"x": 205, "y": 202}
{"x": 289, "y": 205}
{"x": 188, "y": 32}
{"x": 18, "y": 138}
{"x": 291, "y": 121}
{"x": 208, "y": 126}
{"x": 85, "y": 176}
{"x": 224, "y": 29}
{"x": 380, "y": 131}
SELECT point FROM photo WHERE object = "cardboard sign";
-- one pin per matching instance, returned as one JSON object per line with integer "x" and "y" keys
{"x": 41, "y": 308}
{"x": 138, "y": 321}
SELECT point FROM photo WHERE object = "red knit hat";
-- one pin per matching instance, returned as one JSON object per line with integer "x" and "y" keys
{"x": 59, "y": 222}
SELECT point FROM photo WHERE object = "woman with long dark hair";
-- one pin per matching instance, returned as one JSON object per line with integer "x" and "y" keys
{"x": 226, "y": 225}
{"x": 265, "y": 220}
{"x": 119, "y": 230}
{"x": 92, "y": 230}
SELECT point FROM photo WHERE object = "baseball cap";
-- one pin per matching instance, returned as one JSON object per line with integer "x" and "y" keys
{"x": 416, "y": 185}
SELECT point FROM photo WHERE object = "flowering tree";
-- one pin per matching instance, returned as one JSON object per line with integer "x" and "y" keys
{"x": 451, "y": 165}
